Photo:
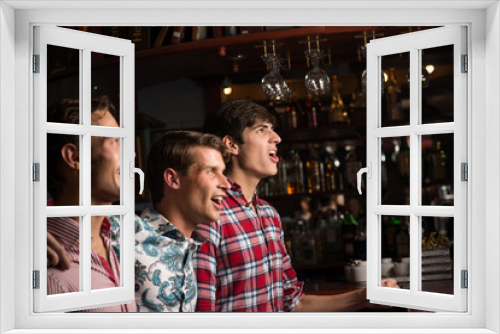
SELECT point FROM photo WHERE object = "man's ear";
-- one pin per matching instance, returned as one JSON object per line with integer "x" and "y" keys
{"x": 171, "y": 178}
{"x": 231, "y": 145}
{"x": 71, "y": 156}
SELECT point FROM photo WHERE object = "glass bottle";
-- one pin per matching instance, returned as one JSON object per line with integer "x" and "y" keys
{"x": 337, "y": 111}
{"x": 291, "y": 117}
{"x": 309, "y": 244}
{"x": 294, "y": 174}
{"x": 333, "y": 177}
{"x": 313, "y": 114}
{"x": 436, "y": 161}
{"x": 297, "y": 247}
{"x": 349, "y": 228}
{"x": 333, "y": 244}
{"x": 393, "y": 97}
{"x": 313, "y": 172}
{"x": 403, "y": 158}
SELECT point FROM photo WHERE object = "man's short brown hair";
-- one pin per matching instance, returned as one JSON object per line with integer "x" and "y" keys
{"x": 175, "y": 150}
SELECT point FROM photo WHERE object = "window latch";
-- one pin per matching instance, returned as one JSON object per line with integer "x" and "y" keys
{"x": 368, "y": 171}
{"x": 141, "y": 175}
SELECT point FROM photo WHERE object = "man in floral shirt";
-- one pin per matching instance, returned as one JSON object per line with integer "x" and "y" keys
{"x": 187, "y": 184}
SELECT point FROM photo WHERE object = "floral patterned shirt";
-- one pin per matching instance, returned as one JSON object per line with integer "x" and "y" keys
{"x": 164, "y": 275}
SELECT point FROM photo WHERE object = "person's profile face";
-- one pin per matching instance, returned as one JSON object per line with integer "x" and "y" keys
{"x": 258, "y": 155}
{"x": 105, "y": 163}
{"x": 203, "y": 187}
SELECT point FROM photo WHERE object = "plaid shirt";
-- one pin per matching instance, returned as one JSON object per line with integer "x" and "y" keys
{"x": 244, "y": 266}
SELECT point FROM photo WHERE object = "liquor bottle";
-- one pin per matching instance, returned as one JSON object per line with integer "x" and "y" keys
{"x": 309, "y": 244}
{"x": 281, "y": 117}
{"x": 320, "y": 240}
{"x": 294, "y": 174}
{"x": 403, "y": 241}
{"x": 291, "y": 117}
{"x": 313, "y": 172}
{"x": 313, "y": 116}
{"x": 349, "y": 227}
{"x": 333, "y": 244}
{"x": 436, "y": 162}
{"x": 333, "y": 177}
{"x": 403, "y": 159}
{"x": 390, "y": 228}
{"x": 337, "y": 112}
{"x": 393, "y": 98}
{"x": 281, "y": 185}
{"x": 297, "y": 243}
{"x": 351, "y": 167}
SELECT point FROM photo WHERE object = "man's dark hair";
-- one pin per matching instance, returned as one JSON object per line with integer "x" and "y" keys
{"x": 175, "y": 150}
{"x": 67, "y": 111}
{"x": 232, "y": 117}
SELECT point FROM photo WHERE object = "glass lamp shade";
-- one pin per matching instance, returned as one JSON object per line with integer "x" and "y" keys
{"x": 273, "y": 84}
{"x": 318, "y": 81}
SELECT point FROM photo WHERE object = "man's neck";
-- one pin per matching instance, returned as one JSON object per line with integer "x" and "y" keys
{"x": 174, "y": 216}
{"x": 247, "y": 183}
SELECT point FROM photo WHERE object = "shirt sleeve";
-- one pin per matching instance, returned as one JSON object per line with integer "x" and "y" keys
{"x": 293, "y": 289}
{"x": 205, "y": 266}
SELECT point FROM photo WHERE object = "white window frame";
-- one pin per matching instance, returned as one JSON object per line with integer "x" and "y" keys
{"x": 483, "y": 20}
{"x": 85, "y": 43}
{"x": 413, "y": 43}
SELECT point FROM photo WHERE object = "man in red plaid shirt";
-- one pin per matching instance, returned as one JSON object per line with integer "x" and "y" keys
{"x": 244, "y": 265}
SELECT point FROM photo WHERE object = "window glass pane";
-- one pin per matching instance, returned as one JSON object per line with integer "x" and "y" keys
{"x": 63, "y": 79}
{"x": 105, "y": 259}
{"x": 66, "y": 232}
{"x": 105, "y": 80}
{"x": 437, "y": 84}
{"x": 437, "y": 170}
{"x": 437, "y": 254}
{"x": 395, "y": 261}
{"x": 105, "y": 170}
{"x": 396, "y": 89}
{"x": 63, "y": 170}
{"x": 395, "y": 171}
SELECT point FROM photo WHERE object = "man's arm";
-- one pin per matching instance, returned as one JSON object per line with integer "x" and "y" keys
{"x": 344, "y": 302}
{"x": 205, "y": 266}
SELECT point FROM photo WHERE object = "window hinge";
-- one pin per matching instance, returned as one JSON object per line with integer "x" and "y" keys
{"x": 465, "y": 64}
{"x": 36, "y": 172}
{"x": 36, "y": 63}
{"x": 465, "y": 279}
{"x": 464, "y": 171}
{"x": 36, "y": 279}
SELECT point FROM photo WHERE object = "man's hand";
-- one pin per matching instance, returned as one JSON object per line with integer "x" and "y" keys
{"x": 56, "y": 255}
{"x": 388, "y": 283}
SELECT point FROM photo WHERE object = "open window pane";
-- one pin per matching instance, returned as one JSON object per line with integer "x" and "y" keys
{"x": 93, "y": 151}
{"x": 105, "y": 82}
{"x": 437, "y": 84}
{"x": 395, "y": 170}
{"x": 105, "y": 258}
{"x": 61, "y": 87}
{"x": 396, "y": 89}
{"x": 437, "y": 254}
{"x": 395, "y": 261}
{"x": 437, "y": 170}
{"x": 66, "y": 231}
{"x": 105, "y": 170}
{"x": 63, "y": 170}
